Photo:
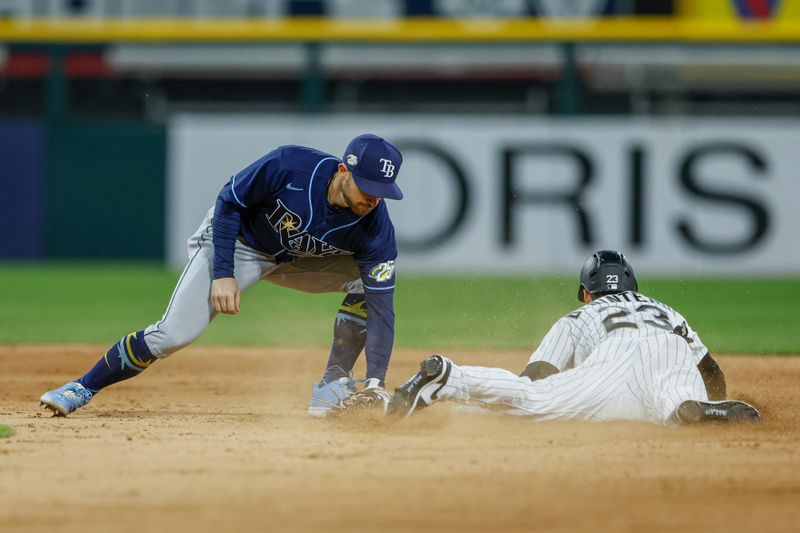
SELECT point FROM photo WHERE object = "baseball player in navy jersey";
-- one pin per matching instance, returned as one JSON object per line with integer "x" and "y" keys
{"x": 299, "y": 218}
{"x": 622, "y": 356}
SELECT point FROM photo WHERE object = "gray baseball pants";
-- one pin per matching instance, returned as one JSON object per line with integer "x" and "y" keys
{"x": 190, "y": 310}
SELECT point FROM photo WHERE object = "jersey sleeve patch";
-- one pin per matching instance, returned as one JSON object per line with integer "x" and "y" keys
{"x": 382, "y": 272}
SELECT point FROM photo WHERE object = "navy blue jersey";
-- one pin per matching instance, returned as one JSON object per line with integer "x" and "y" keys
{"x": 278, "y": 205}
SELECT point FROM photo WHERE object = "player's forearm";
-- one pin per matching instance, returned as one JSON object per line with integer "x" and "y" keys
{"x": 380, "y": 334}
{"x": 539, "y": 370}
{"x": 713, "y": 378}
{"x": 225, "y": 225}
{"x": 378, "y": 357}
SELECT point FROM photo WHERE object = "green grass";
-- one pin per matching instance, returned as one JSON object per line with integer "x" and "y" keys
{"x": 6, "y": 431}
{"x": 78, "y": 302}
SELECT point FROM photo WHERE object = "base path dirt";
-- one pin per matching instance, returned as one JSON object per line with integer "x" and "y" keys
{"x": 218, "y": 440}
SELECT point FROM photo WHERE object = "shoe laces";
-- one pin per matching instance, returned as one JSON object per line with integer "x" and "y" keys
{"x": 78, "y": 394}
{"x": 351, "y": 382}
{"x": 414, "y": 381}
{"x": 329, "y": 394}
{"x": 344, "y": 374}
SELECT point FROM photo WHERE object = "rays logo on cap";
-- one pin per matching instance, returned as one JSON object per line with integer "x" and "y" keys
{"x": 374, "y": 163}
{"x": 388, "y": 168}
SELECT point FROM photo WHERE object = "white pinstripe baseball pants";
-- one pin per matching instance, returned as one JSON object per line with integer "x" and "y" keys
{"x": 640, "y": 378}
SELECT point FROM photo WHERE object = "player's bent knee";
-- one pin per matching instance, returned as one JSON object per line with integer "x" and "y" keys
{"x": 163, "y": 344}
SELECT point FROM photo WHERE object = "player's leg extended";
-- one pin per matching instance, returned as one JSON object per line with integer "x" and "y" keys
{"x": 123, "y": 360}
{"x": 678, "y": 393}
{"x": 134, "y": 352}
{"x": 188, "y": 314}
{"x": 441, "y": 379}
{"x": 594, "y": 391}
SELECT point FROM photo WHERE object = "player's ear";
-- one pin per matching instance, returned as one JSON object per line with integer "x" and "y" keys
{"x": 587, "y": 296}
{"x": 342, "y": 168}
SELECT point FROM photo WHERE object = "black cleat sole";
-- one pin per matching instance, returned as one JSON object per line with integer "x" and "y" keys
{"x": 729, "y": 412}
{"x": 406, "y": 398}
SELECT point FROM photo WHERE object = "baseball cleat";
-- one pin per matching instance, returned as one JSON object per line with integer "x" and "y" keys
{"x": 728, "y": 411}
{"x": 422, "y": 389}
{"x": 64, "y": 400}
{"x": 326, "y": 396}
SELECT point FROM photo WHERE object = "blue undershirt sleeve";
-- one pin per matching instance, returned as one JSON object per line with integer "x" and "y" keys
{"x": 376, "y": 260}
{"x": 380, "y": 333}
{"x": 247, "y": 187}
{"x": 225, "y": 225}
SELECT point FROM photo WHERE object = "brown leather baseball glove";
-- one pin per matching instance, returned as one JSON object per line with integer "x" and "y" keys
{"x": 372, "y": 396}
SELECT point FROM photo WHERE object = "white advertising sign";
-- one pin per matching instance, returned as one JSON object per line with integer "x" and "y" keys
{"x": 527, "y": 195}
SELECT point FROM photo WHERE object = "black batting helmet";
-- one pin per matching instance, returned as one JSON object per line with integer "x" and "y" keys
{"x": 607, "y": 271}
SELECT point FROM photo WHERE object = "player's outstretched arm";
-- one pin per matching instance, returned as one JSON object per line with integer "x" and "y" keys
{"x": 225, "y": 295}
{"x": 539, "y": 370}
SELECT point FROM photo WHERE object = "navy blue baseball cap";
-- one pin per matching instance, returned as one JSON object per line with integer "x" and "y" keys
{"x": 374, "y": 163}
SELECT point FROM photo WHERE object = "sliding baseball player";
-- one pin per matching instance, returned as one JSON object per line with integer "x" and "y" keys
{"x": 622, "y": 356}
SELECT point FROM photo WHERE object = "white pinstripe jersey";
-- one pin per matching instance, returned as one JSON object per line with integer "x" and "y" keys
{"x": 620, "y": 316}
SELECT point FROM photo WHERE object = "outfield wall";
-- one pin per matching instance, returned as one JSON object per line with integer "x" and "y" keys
{"x": 23, "y": 150}
{"x": 497, "y": 194}
{"x": 81, "y": 189}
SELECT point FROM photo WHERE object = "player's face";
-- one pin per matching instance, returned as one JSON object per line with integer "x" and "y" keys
{"x": 357, "y": 200}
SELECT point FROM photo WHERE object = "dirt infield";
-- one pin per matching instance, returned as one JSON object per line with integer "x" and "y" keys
{"x": 218, "y": 440}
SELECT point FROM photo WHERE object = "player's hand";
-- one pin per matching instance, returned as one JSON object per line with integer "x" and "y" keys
{"x": 225, "y": 295}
